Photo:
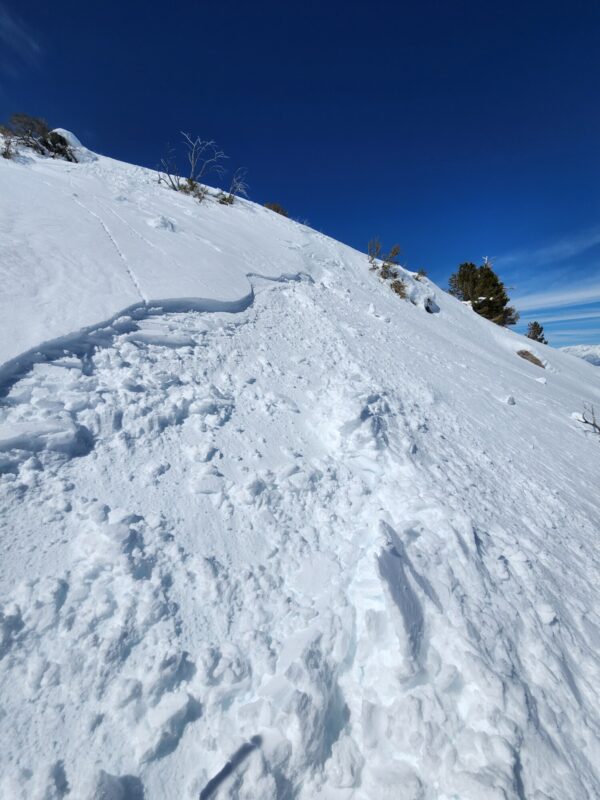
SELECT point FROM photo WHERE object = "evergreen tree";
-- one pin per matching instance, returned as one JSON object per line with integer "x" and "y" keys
{"x": 462, "y": 284}
{"x": 481, "y": 287}
{"x": 536, "y": 332}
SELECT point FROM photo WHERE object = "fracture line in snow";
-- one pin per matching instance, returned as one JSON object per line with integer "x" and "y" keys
{"x": 144, "y": 239}
{"x": 130, "y": 272}
{"x": 86, "y": 340}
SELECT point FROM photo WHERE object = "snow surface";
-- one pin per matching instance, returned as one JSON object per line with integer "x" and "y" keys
{"x": 268, "y": 530}
{"x": 589, "y": 352}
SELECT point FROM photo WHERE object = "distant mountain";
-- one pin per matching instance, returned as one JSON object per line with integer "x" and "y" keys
{"x": 589, "y": 352}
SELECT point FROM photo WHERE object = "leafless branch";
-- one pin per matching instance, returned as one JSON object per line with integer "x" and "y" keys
{"x": 168, "y": 171}
{"x": 203, "y": 157}
{"x": 374, "y": 251}
{"x": 589, "y": 418}
{"x": 238, "y": 186}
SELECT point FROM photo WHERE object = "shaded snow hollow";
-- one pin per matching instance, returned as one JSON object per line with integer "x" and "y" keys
{"x": 268, "y": 530}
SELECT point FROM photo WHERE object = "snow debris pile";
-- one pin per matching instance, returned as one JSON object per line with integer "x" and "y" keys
{"x": 271, "y": 531}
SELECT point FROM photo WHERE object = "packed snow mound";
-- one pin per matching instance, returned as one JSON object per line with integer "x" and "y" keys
{"x": 271, "y": 531}
{"x": 589, "y": 352}
{"x": 81, "y": 153}
{"x": 70, "y": 138}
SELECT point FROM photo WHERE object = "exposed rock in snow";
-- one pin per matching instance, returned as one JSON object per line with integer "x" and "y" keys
{"x": 70, "y": 138}
{"x": 267, "y": 531}
{"x": 82, "y": 153}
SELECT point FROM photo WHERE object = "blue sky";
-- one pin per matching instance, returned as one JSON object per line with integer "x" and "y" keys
{"x": 460, "y": 129}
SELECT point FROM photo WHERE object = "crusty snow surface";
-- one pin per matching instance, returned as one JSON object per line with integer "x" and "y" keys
{"x": 270, "y": 531}
{"x": 589, "y": 352}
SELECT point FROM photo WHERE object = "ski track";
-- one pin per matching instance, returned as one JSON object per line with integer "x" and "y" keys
{"x": 347, "y": 651}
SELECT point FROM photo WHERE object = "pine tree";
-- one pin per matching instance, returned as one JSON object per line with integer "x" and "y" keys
{"x": 485, "y": 291}
{"x": 536, "y": 332}
{"x": 462, "y": 284}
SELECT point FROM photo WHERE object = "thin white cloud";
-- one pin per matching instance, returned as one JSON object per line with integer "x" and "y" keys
{"x": 575, "y": 337}
{"x": 558, "y": 251}
{"x": 559, "y": 296}
{"x": 568, "y": 316}
{"x": 578, "y": 332}
{"x": 18, "y": 46}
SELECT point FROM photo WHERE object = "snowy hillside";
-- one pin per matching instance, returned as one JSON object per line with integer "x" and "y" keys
{"x": 269, "y": 530}
{"x": 589, "y": 352}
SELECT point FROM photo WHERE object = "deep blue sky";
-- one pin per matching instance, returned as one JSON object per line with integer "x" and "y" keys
{"x": 459, "y": 129}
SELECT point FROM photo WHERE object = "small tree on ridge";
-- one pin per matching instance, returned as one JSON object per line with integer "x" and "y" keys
{"x": 483, "y": 289}
{"x": 536, "y": 332}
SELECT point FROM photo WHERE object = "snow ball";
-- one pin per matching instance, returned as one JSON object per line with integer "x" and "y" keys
{"x": 546, "y": 613}
{"x": 162, "y": 223}
{"x": 509, "y": 400}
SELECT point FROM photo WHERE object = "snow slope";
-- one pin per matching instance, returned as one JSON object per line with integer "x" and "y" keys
{"x": 589, "y": 352}
{"x": 268, "y": 530}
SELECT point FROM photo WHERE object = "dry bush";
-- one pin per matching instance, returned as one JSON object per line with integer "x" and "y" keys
{"x": 237, "y": 188}
{"x": 278, "y": 209}
{"x": 193, "y": 188}
{"x": 589, "y": 418}
{"x": 34, "y": 133}
{"x": 203, "y": 157}
{"x": 8, "y": 144}
{"x": 374, "y": 251}
{"x": 399, "y": 287}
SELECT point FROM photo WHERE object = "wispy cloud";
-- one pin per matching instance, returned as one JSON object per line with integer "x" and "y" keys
{"x": 559, "y": 296}
{"x": 18, "y": 46}
{"x": 555, "y": 252}
{"x": 578, "y": 336}
{"x": 568, "y": 316}
{"x": 577, "y": 333}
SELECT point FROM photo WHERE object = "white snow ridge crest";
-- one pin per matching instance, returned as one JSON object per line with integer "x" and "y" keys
{"x": 272, "y": 531}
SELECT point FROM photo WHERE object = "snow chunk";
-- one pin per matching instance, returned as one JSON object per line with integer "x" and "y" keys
{"x": 82, "y": 154}
{"x": 72, "y": 140}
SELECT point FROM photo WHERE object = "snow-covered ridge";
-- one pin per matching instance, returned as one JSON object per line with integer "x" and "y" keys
{"x": 270, "y": 531}
{"x": 589, "y": 352}
{"x": 109, "y": 239}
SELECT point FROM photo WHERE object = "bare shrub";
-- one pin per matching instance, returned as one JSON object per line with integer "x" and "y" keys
{"x": 8, "y": 144}
{"x": 197, "y": 190}
{"x": 203, "y": 158}
{"x": 168, "y": 172}
{"x": 237, "y": 188}
{"x": 374, "y": 251}
{"x": 589, "y": 418}
{"x": 34, "y": 133}
{"x": 387, "y": 264}
{"x": 30, "y": 131}
{"x": 278, "y": 209}
{"x": 388, "y": 269}
{"x": 399, "y": 287}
